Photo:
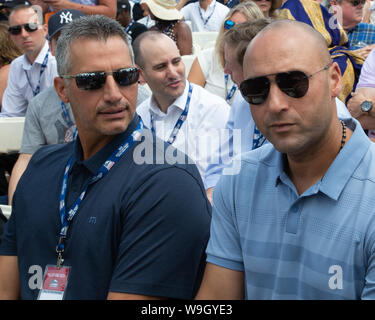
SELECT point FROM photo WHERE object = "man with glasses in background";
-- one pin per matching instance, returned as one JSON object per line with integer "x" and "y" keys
{"x": 35, "y": 70}
{"x": 297, "y": 222}
{"x": 361, "y": 35}
{"x": 100, "y": 222}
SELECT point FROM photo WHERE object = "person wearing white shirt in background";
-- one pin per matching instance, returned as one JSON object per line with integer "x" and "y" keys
{"x": 205, "y": 15}
{"x": 33, "y": 71}
{"x": 181, "y": 113}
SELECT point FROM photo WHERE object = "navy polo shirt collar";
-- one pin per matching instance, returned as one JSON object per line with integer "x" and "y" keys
{"x": 94, "y": 163}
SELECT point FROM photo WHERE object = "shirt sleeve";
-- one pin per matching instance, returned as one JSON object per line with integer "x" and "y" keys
{"x": 13, "y": 103}
{"x": 367, "y": 77}
{"x": 165, "y": 232}
{"x": 186, "y": 12}
{"x": 214, "y": 170}
{"x": 33, "y": 137}
{"x": 224, "y": 247}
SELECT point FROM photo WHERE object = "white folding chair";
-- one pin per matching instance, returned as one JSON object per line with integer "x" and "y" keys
{"x": 11, "y": 131}
{"x": 204, "y": 39}
{"x": 188, "y": 61}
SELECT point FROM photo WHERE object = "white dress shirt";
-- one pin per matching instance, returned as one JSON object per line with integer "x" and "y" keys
{"x": 216, "y": 10}
{"x": 201, "y": 133}
{"x": 18, "y": 92}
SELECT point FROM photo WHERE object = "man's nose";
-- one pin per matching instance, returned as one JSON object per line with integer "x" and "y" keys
{"x": 112, "y": 91}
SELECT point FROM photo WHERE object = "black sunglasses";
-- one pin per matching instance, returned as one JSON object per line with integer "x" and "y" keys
{"x": 29, "y": 27}
{"x": 293, "y": 83}
{"x": 96, "y": 80}
{"x": 357, "y": 2}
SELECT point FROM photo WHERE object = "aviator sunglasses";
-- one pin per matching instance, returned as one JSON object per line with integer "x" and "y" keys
{"x": 96, "y": 80}
{"x": 295, "y": 84}
{"x": 29, "y": 27}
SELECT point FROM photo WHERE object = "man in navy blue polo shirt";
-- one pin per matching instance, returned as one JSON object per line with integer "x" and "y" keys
{"x": 90, "y": 220}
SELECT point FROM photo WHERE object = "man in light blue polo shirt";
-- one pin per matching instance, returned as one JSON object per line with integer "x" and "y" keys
{"x": 298, "y": 221}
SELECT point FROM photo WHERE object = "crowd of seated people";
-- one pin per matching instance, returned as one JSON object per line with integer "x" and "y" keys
{"x": 279, "y": 101}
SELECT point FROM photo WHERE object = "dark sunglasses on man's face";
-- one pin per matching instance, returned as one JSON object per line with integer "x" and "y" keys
{"x": 295, "y": 84}
{"x": 357, "y": 2}
{"x": 96, "y": 80}
{"x": 29, "y": 27}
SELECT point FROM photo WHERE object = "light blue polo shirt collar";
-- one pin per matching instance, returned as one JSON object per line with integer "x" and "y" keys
{"x": 340, "y": 171}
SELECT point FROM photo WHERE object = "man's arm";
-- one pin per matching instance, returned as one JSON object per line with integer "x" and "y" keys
{"x": 104, "y": 7}
{"x": 196, "y": 74}
{"x": 184, "y": 39}
{"x": 18, "y": 169}
{"x": 9, "y": 278}
{"x": 221, "y": 284}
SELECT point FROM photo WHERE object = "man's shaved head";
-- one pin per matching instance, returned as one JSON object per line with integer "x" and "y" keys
{"x": 290, "y": 30}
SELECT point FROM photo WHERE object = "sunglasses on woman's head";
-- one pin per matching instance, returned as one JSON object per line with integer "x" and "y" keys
{"x": 29, "y": 27}
{"x": 228, "y": 24}
{"x": 96, "y": 80}
{"x": 295, "y": 84}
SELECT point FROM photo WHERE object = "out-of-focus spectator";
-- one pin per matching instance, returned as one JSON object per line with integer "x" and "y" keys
{"x": 169, "y": 21}
{"x": 131, "y": 27}
{"x": 361, "y": 35}
{"x": 269, "y": 7}
{"x": 8, "y": 52}
{"x": 105, "y": 7}
{"x": 35, "y": 70}
{"x": 317, "y": 16}
{"x": 205, "y": 15}
{"x": 207, "y": 69}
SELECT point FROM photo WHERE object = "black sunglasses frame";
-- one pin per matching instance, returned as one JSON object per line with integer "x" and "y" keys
{"x": 295, "y": 90}
{"x": 29, "y": 27}
{"x": 96, "y": 80}
{"x": 357, "y": 2}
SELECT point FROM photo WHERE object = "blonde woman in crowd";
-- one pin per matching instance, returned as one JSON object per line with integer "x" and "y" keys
{"x": 8, "y": 52}
{"x": 207, "y": 69}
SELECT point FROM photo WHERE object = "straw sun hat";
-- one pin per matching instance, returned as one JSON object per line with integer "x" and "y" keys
{"x": 164, "y": 9}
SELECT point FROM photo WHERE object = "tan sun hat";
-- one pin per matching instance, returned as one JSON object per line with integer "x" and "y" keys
{"x": 164, "y": 9}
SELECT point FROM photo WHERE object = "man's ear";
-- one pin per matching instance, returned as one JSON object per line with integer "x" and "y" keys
{"x": 61, "y": 89}
{"x": 336, "y": 79}
{"x": 45, "y": 29}
{"x": 141, "y": 79}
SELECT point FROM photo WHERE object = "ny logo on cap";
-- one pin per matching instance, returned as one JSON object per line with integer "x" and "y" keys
{"x": 67, "y": 16}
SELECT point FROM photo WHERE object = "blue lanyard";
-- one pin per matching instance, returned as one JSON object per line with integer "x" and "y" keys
{"x": 69, "y": 121}
{"x": 180, "y": 120}
{"x": 67, "y": 217}
{"x": 229, "y": 3}
{"x": 42, "y": 68}
{"x": 232, "y": 91}
{"x": 129, "y": 26}
{"x": 209, "y": 17}
{"x": 258, "y": 138}
{"x": 66, "y": 115}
